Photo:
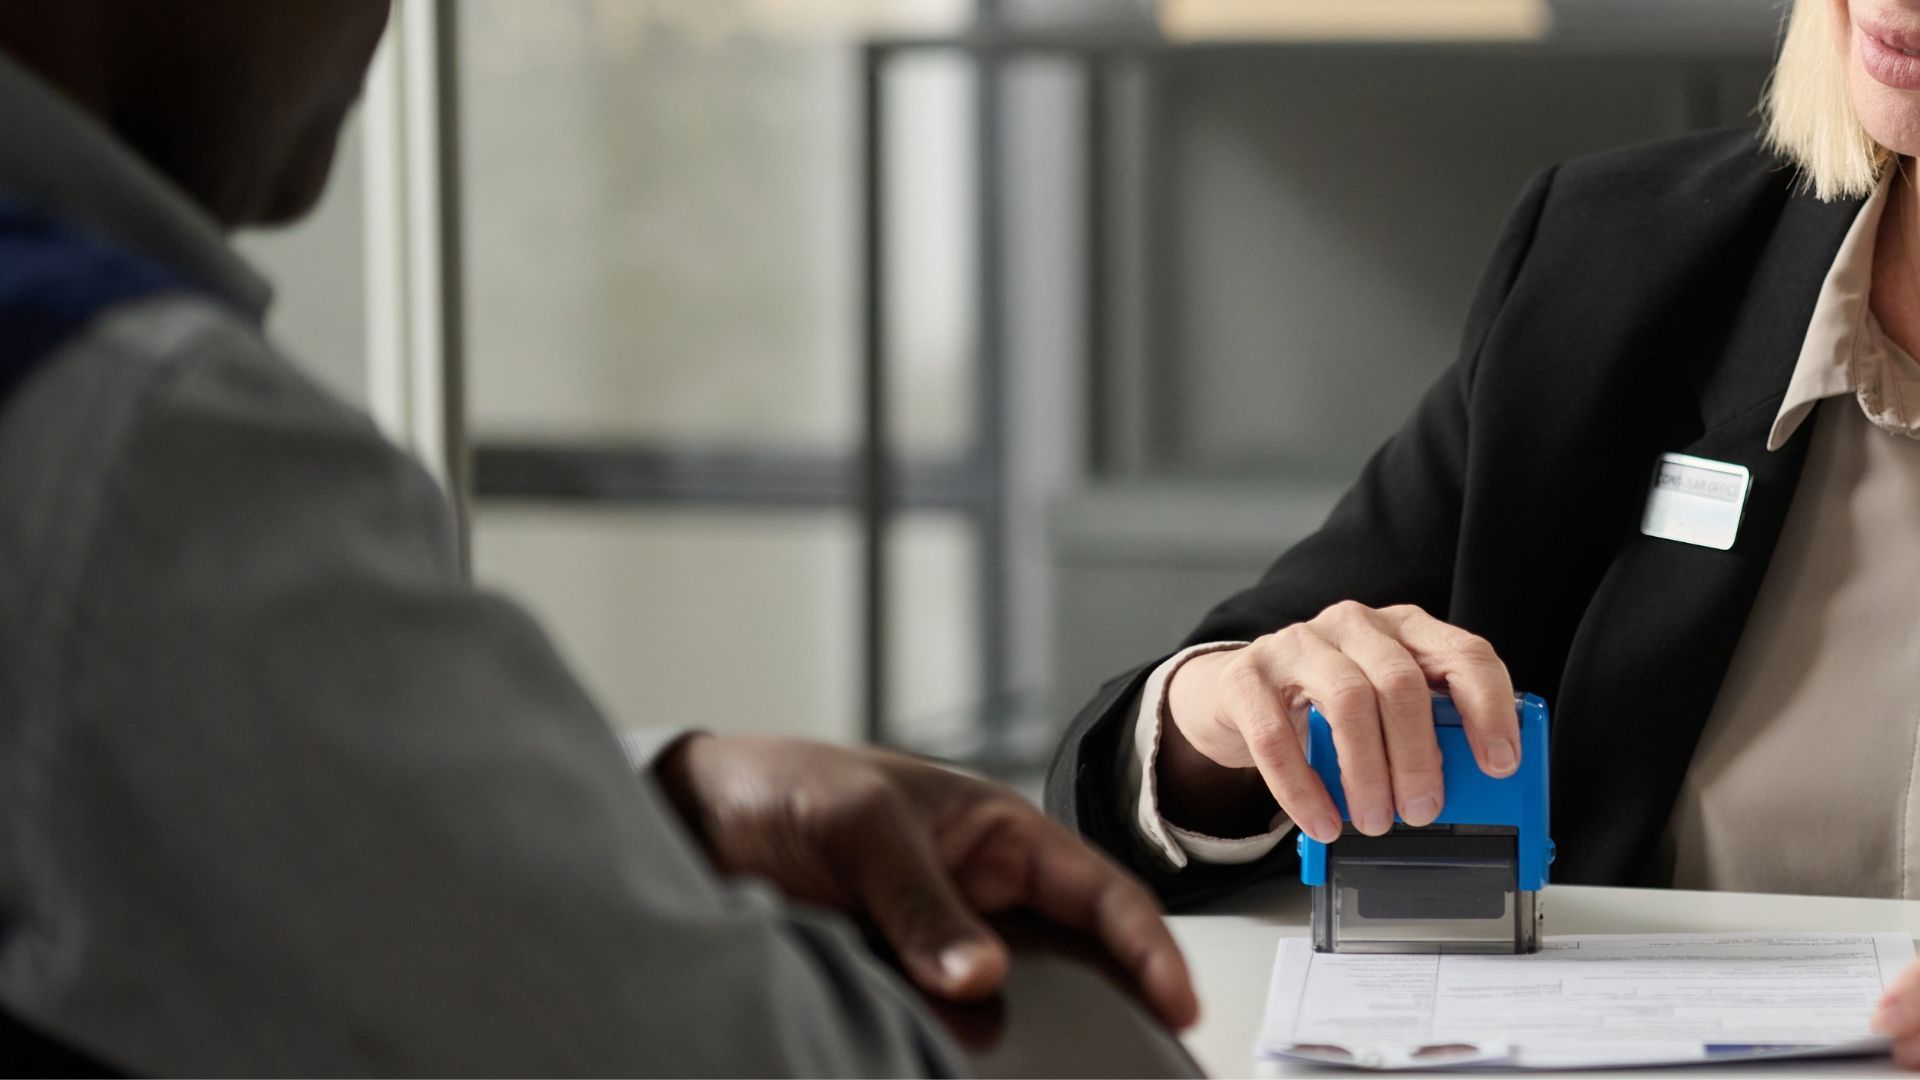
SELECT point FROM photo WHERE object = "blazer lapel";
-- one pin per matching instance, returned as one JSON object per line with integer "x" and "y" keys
{"x": 1650, "y": 653}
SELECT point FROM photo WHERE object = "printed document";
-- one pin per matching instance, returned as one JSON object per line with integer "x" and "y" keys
{"x": 1585, "y": 1001}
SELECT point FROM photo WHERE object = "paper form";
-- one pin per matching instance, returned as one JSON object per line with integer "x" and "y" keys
{"x": 1585, "y": 1000}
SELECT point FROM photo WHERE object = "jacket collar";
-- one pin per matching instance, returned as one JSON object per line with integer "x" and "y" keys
{"x": 58, "y": 160}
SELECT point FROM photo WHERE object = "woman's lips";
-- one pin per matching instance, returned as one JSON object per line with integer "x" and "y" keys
{"x": 1891, "y": 57}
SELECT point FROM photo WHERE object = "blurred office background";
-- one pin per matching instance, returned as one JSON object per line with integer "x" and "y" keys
{"x": 901, "y": 368}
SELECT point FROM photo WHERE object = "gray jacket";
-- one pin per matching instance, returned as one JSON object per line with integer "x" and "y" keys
{"x": 279, "y": 793}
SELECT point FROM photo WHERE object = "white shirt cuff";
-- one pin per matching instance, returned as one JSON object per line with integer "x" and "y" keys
{"x": 1175, "y": 845}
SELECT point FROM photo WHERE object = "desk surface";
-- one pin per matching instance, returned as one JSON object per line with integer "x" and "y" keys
{"x": 1231, "y": 948}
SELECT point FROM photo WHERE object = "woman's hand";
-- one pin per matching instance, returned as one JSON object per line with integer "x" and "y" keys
{"x": 920, "y": 850}
{"x": 1899, "y": 1017}
{"x": 1372, "y": 673}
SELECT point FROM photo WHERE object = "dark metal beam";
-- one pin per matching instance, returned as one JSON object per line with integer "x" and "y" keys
{"x": 875, "y": 474}
{"x": 452, "y": 272}
{"x": 1097, "y": 205}
{"x": 638, "y": 474}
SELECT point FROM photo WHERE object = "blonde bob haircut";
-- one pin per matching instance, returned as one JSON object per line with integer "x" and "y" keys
{"x": 1809, "y": 111}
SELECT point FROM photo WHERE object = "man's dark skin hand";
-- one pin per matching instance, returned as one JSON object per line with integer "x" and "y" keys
{"x": 923, "y": 852}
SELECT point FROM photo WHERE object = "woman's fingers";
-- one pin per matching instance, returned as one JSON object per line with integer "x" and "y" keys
{"x": 1899, "y": 1017}
{"x": 1899, "y": 1011}
{"x": 1256, "y": 707}
{"x": 1321, "y": 673}
{"x": 1406, "y": 716}
{"x": 1371, "y": 672}
{"x": 1475, "y": 679}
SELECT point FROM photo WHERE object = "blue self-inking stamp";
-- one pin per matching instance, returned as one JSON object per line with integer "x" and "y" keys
{"x": 1469, "y": 883}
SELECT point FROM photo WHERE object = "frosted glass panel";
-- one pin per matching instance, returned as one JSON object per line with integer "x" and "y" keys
{"x": 732, "y": 621}
{"x": 931, "y": 256}
{"x": 934, "y": 631}
{"x": 661, "y": 216}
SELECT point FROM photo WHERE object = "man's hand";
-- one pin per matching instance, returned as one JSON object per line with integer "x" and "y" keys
{"x": 922, "y": 852}
{"x": 1240, "y": 720}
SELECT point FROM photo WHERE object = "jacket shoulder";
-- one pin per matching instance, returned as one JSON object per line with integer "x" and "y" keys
{"x": 1711, "y": 173}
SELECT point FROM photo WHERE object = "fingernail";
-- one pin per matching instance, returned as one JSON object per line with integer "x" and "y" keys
{"x": 1374, "y": 822}
{"x": 1326, "y": 830}
{"x": 1421, "y": 811}
{"x": 961, "y": 962}
{"x": 1500, "y": 755}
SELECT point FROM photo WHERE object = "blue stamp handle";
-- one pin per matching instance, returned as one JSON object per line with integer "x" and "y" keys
{"x": 1472, "y": 797}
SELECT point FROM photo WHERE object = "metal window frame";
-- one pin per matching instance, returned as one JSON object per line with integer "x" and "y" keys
{"x": 1112, "y": 443}
{"x": 413, "y": 274}
{"x": 417, "y": 368}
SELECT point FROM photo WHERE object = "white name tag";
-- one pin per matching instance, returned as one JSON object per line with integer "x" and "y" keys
{"x": 1696, "y": 501}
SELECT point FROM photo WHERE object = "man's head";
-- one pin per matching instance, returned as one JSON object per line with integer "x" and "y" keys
{"x": 239, "y": 102}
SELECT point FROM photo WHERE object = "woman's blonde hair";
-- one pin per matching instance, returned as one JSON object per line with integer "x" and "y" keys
{"x": 1809, "y": 110}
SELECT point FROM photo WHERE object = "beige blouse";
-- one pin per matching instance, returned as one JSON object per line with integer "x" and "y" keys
{"x": 1804, "y": 778}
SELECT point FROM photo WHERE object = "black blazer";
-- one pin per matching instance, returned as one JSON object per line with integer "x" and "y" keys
{"x": 1642, "y": 301}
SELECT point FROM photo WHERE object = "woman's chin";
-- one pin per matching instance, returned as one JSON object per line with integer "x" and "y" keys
{"x": 1890, "y": 117}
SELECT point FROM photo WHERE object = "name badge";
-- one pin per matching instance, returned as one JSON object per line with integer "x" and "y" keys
{"x": 1696, "y": 501}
